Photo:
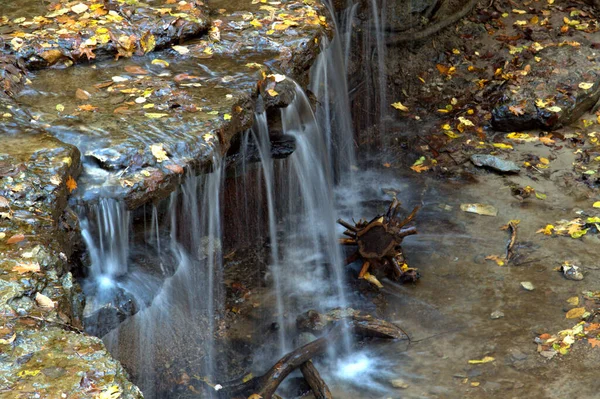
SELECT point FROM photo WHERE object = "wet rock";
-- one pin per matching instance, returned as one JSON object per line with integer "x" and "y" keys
{"x": 497, "y": 314}
{"x": 516, "y": 354}
{"x": 551, "y": 95}
{"x": 571, "y": 272}
{"x": 106, "y": 310}
{"x": 89, "y": 30}
{"x": 495, "y": 163}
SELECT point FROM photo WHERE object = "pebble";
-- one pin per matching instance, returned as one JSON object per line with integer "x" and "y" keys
{"x": 527, "y": 285}
{"x": 497, "y": 314}
{"x": 399, "y": 383}
{"x": 517, "y": 355}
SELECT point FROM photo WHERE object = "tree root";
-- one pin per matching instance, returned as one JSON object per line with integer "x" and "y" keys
{"x": 404, "y": 37}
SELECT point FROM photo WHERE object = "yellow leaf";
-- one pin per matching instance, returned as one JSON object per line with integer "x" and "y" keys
{"x": 486, "y": 359}
{"x": 499, "y": 261}
{"x": 503, "y": 146}
{"x": 255, "y": 396}
{"x": 112, "y": 392}
{"x": 71, "y": 184}
{"x": 272, "y": 92}
{"x": 585, "y": 85}
{"x": 148, "y": 41}
{"x": 400, "y": 106}
{"x": 28, "y": 373}
{"x": 181, "y": 49}
{"x": 554, "y": 109}
{"x": 372, "y": 279}
{"x": 158, "y": 61}
{"x": 541, "y": 103}
{"x": 596, "y": 204}
{"x": 154, "y": 115}
{"x": 575, "y": 313}
{"x": 546, "y": 230}
{"x": 60, "y": 107}
{"x": 451, "y": 134}
{"x": 227, "y": 117}
{"x": 545, "y": 161}
{"x": 159, "y": 152}
{"x": 8, "y": 340}
{"x": 256, "y": 23}
{"x": 574, "y": 300}
{"x": 79, "y": 8}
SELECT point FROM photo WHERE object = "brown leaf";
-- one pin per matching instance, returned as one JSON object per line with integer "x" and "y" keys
{"x": 4, "y": 203}
{"x": 87, "y": 107}
{"x": 136, "y": 70}
{"x": 15, "y": 239}
{"x": 575, "y": 313}
{"x": 175, "y": 168}
{"x": 82, "y": 94}
{"x": 594, "y": 342}
{"x": 26, "y": 268}
{"x": 51, "y": 56}
{"x": 517, "y": 109}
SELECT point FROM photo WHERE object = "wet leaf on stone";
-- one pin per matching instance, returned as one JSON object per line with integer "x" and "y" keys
{"x": 159, "y": 152}
{"x": 7, "y": 341}
{"x": 22, "y": 268}
{"x": 113, "y": 392}
{"x": 87, "y": 108}
{"x": 586, "y": 85}
{"x": 181, "y": 49}
{"x": 155, "y": 115}
{"x": 60, "y": 107}
{"x": 44, "y": 302}
{"x": 71, "y": 184}
{"x": 517, "y": 109}
{"x": 15, "y": 239}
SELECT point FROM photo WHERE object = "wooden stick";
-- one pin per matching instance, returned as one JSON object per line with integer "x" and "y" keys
{"x": 346, "y": 225}
{"x": 409, "y": 218}
{"x": 315, "y": 382}
{"x": 364, "y": 269}
{"x": 347, "y": 241}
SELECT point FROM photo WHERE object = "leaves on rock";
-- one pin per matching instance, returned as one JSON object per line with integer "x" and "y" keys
{"x": 22, "y": 268}
{"x": 44, "y": 302}
{"x": 159, "y": 152}
{"x": 71, "y": 184}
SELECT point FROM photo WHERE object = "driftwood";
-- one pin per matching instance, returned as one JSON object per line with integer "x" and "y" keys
{"x": 362, "y": 324}
{"x": 315, "y": 382}
{"x": 378, "y": 244}
{"x": 330, "y": 324}
{"x": 266, "y": 385}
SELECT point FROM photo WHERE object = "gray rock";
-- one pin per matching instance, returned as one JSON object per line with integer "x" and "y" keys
{"x": 495, "y": 163}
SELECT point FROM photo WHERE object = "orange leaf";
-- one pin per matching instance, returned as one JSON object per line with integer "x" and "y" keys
{"x": 517, "y": 109}
{"x": 71, "y": 184}
{"x": 15, "y": 239}
{"x": 175, "y": 168}
{"x": 82, "y": 94}
{"x": 136, "y": 70}
{"x": 26, "y": 268}
{"x": 87, "y": 107}
{"x": 594, "y": 342}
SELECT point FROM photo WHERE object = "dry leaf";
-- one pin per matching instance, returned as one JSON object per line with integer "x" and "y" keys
{"x": 517, "y": 109}
{"x": 480, "y": 209}
{"x": 87, "y": 107}
{"x": 594, "y": 342}
{"x": 44, "y": 302}
{"x": 400, "y": 106}
{"x": 136, "y": 70}
{"x": 4, "y": 203}
{"x": 175, "y": 168}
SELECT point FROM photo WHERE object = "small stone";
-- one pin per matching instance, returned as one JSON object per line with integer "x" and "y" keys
{"x": 548, "y": 354}
{"x": 495, "y": 163}
{"x": 517, "y": 355}
{"x": 399, "y": 383}
{"x": 497, "y": 314}
{"x": 527, "y": 285}
{"x": 571, "y": 272}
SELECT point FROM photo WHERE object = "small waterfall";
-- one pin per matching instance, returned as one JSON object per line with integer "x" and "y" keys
{"x": 105, "y": 228}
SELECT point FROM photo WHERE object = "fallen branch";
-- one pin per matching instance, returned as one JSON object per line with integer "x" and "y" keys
{"x": 266, "y": 385}
{"x": 315, "y": 382}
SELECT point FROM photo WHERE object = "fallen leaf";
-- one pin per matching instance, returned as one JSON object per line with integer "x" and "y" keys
{"x": 400, "y": 106}
{"x": 136, "y": 70}
{"x": 71, "y": 184}
{"x": 159, "y": 153}
{"x": 15, "y": 239}
{"x": 517, "y": 109}
{"x": 227, "y": 117}
{"x": 79, "y": 8}
{"x": 596, "y": 204}
{"x": 158, "y": 61}
{"x": 574, "y": 300}
{"x": 499, "y": 260}
{"x": 486, "y": 359}
{"x": 181, "y": 49}
{"x": 255, "y": 396}
{"x": 272, "y": 92}
{"x": 112, "y": 392}
{"x": 60, "y": 107}
{"x": 585, "y": 85}
{"x": 594, "y": 342}
{"x": 575, "y": 313}
{"x": 154, "y": 115}
{"x": 8, "y": 340}
{"x": 503, "y": 146}
{"x": 480, "y": 209}
{"x": 82, "y": 94}
{"x": 27, "y": 268}
{"x": 175, "y": 168}
{"x": 4, "y": 203}
{"x": 554, "y": 108}
{"x": 87, "y": 107}
{"x": 44, "y": 302}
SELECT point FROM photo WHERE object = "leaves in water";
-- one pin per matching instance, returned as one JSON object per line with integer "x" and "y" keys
{"x": 15, "y": 239}
{"x": 486, "y": 359}
{"x": 480, "y": 209}
{"x": 575, "y": 313}
{"x": 586, "y": 85}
